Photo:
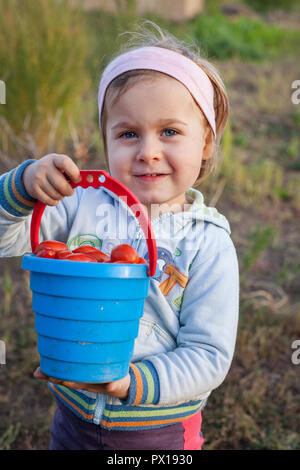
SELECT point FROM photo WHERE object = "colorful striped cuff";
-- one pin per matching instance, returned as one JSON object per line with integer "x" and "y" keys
{"x": 132, "y": 418}
{"x": 79, "y": 403}
{"x": 144, "y": 385}
{"x": 13, "y": 196}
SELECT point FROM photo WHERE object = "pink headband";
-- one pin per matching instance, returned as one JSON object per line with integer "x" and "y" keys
{"x": 169, "y": 62}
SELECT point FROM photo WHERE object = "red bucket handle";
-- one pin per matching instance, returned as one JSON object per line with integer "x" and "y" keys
{"x": 97, "y": 178}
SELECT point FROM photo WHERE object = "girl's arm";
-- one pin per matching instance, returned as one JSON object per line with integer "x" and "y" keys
{"x": 206, "y": 339}
{"x": 17, "y": 200}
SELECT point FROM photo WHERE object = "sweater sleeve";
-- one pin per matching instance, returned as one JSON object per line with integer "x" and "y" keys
{"x": 13, "y": 196}
{"x": 206, "y": 338}
{"x": 16, "y": 207}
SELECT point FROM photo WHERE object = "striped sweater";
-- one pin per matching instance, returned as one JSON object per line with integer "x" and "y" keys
{"x": 13, "y": 197}
{"x": 144, "y": 390}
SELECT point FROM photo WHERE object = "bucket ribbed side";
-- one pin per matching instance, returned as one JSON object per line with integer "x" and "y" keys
{"x": 86, "y": 325}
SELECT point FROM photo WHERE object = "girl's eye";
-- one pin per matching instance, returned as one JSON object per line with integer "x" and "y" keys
{"x": 170, "y": 132}
{"x": 131, "y": 134}
{"x": 128, "y": 135}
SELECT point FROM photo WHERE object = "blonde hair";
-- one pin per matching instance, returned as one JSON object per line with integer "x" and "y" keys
{"x": 162, "y": 38}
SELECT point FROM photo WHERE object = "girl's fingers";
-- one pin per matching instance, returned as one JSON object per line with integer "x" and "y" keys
{"x": 66, "y": 165}
{"x": 45, "y": 198}
{"x": 97, "y": 388}
{"x": 118, "y": 388}
{"x": 47, "y": 179}
{"x": 38, "y": 374}
{"x": 59, "y": 183}
{"x": 53, "y": 189}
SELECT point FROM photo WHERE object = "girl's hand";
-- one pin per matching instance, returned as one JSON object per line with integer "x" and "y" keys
{"x": 118, "y": 388}
{"x": 46, "y": 180}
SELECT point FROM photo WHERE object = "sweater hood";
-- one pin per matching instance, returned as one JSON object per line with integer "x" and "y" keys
{"x": 199, "y": 211}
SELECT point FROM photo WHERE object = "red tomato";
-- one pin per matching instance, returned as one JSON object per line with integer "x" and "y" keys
{"x": 99, "y": 256}
{"x": 142, "y": 261}
{"x": 63, "y": 254}
{"x": 85, "y": 249}
{"x": 92, "y": 251}
{"x": 53, "y": 245}
{"x": 80, "y": 257}
{"x": 124, "y": 253}
{"x": 45, "y": 253}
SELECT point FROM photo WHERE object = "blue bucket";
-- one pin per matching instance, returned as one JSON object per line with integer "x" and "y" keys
{"x": 87, "y": 314}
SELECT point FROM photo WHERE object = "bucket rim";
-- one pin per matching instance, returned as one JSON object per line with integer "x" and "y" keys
{"x": 63, "y": 267}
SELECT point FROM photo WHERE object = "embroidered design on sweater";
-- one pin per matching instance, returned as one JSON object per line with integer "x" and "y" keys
{"x": 175, "y": 276}
{"x": 164, "y": 257}
{"x": 84, "y": 239}
{"x": 178, "y": 301}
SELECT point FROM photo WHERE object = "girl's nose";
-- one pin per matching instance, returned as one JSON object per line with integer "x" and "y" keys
{"x": 149, "y": 150}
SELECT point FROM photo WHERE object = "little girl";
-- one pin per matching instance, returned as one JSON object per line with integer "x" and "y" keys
{"x": 162, "y": 112}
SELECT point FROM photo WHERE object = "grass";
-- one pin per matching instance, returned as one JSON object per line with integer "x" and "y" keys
{"x": 248, "y": 39}
{"x": 257, "y": 187}
{"x": 43, "y": 63}
{"x": 269, "y": 5}
{"x": 259, "y": 240}
{"x": 259, "y": 179}
{"x": 257, "y": 407}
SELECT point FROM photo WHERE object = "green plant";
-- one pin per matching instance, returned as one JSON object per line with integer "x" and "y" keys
{"x": 259, "y": 240}
{"x": 268, "y": 5}
{"x": 241, "y": 139}
{"x": 43, "y": 50}
{"x": 288, "y": 272}
{"x": 254, "y": 181}
{"x": 104, "y": 29}
{"x": 9, "y": 436}
{"x": 126, "y": 12}
{"x": 245, "y": 38}
{"x": 296, "y": 118}
{"x": 293, "y": 148}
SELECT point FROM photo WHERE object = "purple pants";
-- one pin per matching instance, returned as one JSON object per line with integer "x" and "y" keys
{"x": 68, "y": 432}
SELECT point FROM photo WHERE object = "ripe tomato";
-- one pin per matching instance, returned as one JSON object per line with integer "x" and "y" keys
{"x": 45, "y": 253}
{"x": 99, "y": 256}
{"x": 80, "y": 257}
{"x": 85, "y": 249}
{"x": 142, "y": 261}
{"x": 53, "y": 244}
{"x": 63, "y": 254}
{"x": 124, "y": 253}
{"x": 92, "y": 251}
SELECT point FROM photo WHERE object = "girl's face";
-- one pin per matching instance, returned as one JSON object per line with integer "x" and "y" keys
{"x": 155, "y": 127}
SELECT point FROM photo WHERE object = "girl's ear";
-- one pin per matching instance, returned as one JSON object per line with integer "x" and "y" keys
{"x": 208, "y": 149}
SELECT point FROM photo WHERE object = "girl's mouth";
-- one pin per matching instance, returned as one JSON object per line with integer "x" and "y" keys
{"x": 154, "y": 177}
